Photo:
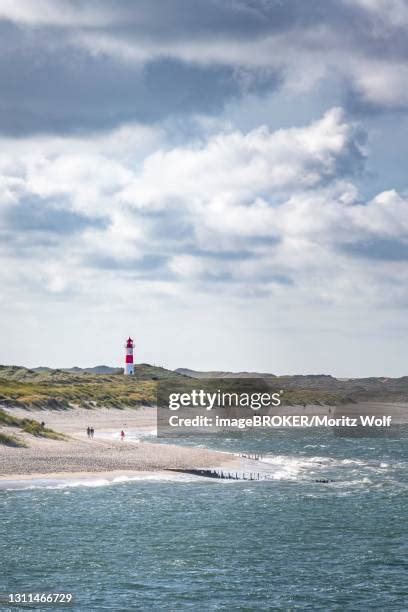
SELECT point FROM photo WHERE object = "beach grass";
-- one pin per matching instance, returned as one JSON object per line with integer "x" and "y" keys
{"x": 36, "y": 429}
{"x": 120, "y": 392}
{"x": 48, "y": 389}
{"x": 29, "y": 426}
{"x": 8, "y": 440}
{"x": 61, "y": 390}
{"x": 117, "y": 392}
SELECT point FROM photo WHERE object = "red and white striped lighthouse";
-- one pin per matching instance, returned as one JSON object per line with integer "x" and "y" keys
{"x": 129, "y": 367}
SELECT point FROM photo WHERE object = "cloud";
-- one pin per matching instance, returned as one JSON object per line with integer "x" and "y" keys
{"x": 63, "y": 13}
{"x": 261, "y": 213}
{"x": 75, "y": 66}
{"x": 45, "y": 217}
{"x": 174, "y": 171}
{"x": 392, "y": 12}
{"x": 363, "y": 42}
{"x": 240, "y": 166}
{"x": 244, "y": 235}
{"x": 60, "y": 88}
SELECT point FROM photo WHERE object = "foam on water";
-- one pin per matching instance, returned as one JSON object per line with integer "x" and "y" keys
{"x": 68, "y": 483}
{"x": 174, "y": 542}
{"x": 130, "y": 436}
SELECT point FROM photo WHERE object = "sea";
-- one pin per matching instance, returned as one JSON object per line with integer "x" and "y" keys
{"x": 327, "y": 531}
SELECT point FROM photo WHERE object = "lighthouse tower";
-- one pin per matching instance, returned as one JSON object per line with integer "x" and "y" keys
{"x": 129, "y": 368}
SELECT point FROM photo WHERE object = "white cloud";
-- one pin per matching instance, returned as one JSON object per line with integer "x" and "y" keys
{"x": 394, "y": 12}
{"x": 240, "y": 167}
{"x": 265, "y": 212}
{"x": 256, "y": 240}
{"x": 256, "y": 231}
{"x": 61, "y": 13}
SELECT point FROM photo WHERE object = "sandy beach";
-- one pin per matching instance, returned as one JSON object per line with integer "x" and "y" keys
{"x": 139, "y": 453}
{"x": 106, "y": 452}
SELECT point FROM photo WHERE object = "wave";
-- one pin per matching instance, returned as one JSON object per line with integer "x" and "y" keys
{"x": 346, "y": 471}
{"x": 88, "y": 482}
{"x": 131, "y": 436}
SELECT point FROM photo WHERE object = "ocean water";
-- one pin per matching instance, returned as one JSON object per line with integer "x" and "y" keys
{"x": 289, "y": 543}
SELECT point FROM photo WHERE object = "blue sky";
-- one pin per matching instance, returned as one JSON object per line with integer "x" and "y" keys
{"x": 223, "y": 180}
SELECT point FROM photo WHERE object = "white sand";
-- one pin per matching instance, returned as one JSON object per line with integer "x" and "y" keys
{"x": 80, "y": 454}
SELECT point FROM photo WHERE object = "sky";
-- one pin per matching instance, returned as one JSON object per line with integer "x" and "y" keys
{"x": 224, "y": 180}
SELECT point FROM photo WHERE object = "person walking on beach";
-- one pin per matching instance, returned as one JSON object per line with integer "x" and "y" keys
{"x": 88, "y": 432}
{"x": 122, "y": 435}
{"x": 92, "y": 432}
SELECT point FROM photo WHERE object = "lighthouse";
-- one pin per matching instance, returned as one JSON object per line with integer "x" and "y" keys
{"x": 129, "y": 368}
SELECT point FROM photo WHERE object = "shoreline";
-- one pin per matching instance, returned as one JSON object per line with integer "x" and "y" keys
{"x": 139, "y": 456}
{"x": 140, "y": 453}
{"x": 60, "y": 480}
{"x": 96, "y": 457}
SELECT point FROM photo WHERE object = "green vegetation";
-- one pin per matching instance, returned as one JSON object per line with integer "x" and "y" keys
{"x": 103, "y": 386}
{"x": 26, "y": 425}
{"x": 62, "y": 389}
{"x": 117, "y": 393}
{"x": 321, "y": 389}
{"x": 8, "y": 420}
{"x": 36, "y": 429}
{"x": 143, "y": 372}
{"x": 10, "y": 440}
{"x": 291, "y": 395}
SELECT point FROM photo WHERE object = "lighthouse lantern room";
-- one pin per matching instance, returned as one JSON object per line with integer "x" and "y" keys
{"x": 129, "y": 367}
